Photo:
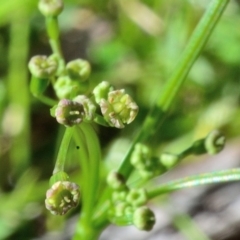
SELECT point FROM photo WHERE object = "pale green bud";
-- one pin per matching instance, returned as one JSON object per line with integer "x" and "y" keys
{"x": 66, "y": 88}
{"x": 137, "y": 197}
{"x": 78, "y": 69}
{"x": 43, "y": 67}
{"x": 214, "y": 142}
{"x": 119, "y": 195}
{"x": 115, "y": 180}
{"x": 120, "y": 209}
{"x": 61, "y": 197}
{"x": 143, "y": 218}
{"x": 101, "y": 91}
{"x": 119, "y": 108}
{"x": 141, "y": 154}
{"x": 169, "y": 159}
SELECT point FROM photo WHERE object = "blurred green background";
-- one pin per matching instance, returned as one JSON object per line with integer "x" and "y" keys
{"x": 132, "y": 44}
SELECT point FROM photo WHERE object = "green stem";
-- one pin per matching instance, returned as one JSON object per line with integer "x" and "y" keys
{"x": 80, "y": 141}
{"x": 173, "y": 85}
{"x": 54, "y": 34}
{"x": 94, "y": 152}
{"x": 197, "y": 180}
{"x": 46, "y": 100}
{"x": 85, "y": 229}
{"x": 62, "y": 154}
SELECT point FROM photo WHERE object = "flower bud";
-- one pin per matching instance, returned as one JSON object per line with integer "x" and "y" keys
{"x": 143, "y": 218}
{"x": 78, "y": 69}
{"x": 137, "y": 197}
{"x": 61, "y": 197}
{"x": 119, "y": 195}
{"x": 50, "y": 8}
{"x": 120, "y": 209}
{"x": 214, "y": 142}
{"x": 168, "y": 159}
{"x": 66, "y": 88}
{"x": 101, "y": 91}
{"x": 88, "y": 106}
{"x": 69, "y": 113}
{"x": 43, "y": 67}
{"x": 141, "y": 154}
{"x": 118, "y": 109}
{"x": 116, "y": 181}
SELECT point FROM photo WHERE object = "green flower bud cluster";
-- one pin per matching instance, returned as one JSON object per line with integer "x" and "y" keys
{"x": 61, "y": 197}
{"x": 74, "y": 81}
{"x": 117, "y": 107}
{"x": 116, "y": 112}
{"x": 71, "y": 82}
{"x": 128, "y": 205}
{"x": 146, "y": 165}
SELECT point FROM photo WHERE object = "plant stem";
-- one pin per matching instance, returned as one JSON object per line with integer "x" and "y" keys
{"x": 54, "y": 34}
{"x": 197, "y": 180}
{"x": 173, "y": 85}
{"x": 85, "y": 229}
{"x": 46, "y": 100}
{"x": 62, "y": 154}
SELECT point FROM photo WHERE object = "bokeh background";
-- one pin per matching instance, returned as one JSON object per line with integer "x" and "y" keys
{"x": 134, "y": 45}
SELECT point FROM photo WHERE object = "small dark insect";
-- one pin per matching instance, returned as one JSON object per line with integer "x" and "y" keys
{"x": 77, "y": 147}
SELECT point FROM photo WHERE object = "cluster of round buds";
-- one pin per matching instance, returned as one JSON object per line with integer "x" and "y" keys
{"x": 61, "y": 197}
{"x": 74, "y": 81}
{"x": 128, "y": 205}
{"x": 146, "y": 165}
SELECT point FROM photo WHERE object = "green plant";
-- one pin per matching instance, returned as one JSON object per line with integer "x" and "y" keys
{"x": 118, "y": 195}
{"x": 78, "y": 109}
